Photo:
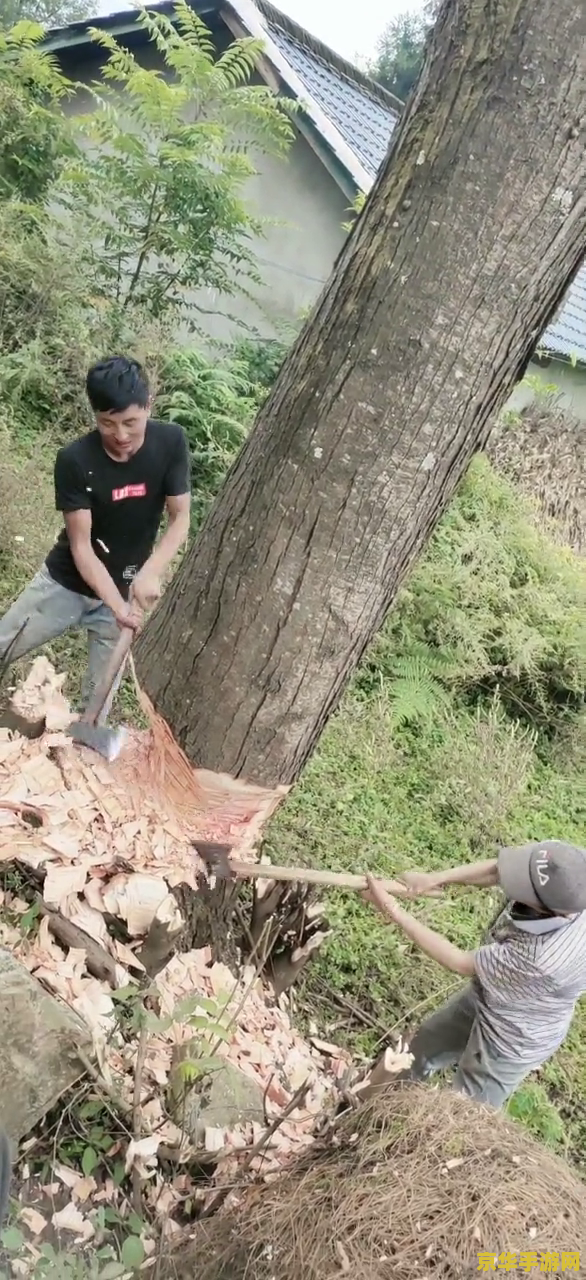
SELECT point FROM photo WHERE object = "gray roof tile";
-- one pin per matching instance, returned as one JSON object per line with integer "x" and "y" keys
{"x": 566, "y": 335}
{"x": 365, "y": 124}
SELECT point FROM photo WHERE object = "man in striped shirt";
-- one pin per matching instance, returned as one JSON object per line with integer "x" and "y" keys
{"x": 524, "y": 982}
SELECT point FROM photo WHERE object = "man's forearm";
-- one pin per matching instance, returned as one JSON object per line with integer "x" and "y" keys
{"x": 434, "y": 944}
{"x": 174, "y": 537}
{"x": 482, "y": 874}
{"x": 97, "y": 577}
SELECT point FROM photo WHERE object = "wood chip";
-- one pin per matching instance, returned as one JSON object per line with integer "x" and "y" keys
{"x": 73, "y": 1220}
{"x": 65, "y": 846}
{"x": 34, "y": 1220}
{"x": 61, "y": 881}
{"x": 214, "y": 1139}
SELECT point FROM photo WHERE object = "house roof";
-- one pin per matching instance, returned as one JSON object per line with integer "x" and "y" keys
{"x": 566, "y": 335}
{"x": 362, "y": 110}
{"x": 345, "y": 114}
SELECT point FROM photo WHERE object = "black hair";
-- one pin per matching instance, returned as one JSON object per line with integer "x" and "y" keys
{"x": 114, "y": 384}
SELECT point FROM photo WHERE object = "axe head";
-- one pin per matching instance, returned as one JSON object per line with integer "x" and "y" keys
{"x": 216, "y": 858}
{"x": 107, "y": 742}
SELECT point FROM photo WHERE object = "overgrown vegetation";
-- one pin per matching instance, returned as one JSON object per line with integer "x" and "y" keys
{"x": 465, "y": 725}
{"x": 460, "y": 732}
{"x": 159, "y": 189}
{"x": 113, "y": 225}
{"x": 215, "y": 404}
{"x": 33, "y": 143}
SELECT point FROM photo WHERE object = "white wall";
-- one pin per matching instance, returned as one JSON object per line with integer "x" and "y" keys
{"x": 298, "y": 251}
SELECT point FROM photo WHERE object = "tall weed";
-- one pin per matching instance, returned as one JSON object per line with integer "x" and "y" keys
{"x": 494, "y": 606}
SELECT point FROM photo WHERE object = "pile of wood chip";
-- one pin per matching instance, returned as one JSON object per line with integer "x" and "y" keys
{"x": 104, "y": 857}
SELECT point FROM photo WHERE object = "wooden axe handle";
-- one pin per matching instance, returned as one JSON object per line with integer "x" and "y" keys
{"x": 309, "y": 875}
{"x": 115, "y": 662}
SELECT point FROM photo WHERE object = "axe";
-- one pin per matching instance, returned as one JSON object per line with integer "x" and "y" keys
{"x": 108, "y": 742}
{"x": 218, "y": 860}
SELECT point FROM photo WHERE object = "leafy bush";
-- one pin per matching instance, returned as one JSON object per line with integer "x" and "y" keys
{"x": 260, "y": 363}
{"x": 214, "y": 405}
{"x": 123, "y": 233}
{"x": 160, "y": 186}
{"x": 494, "y": 606}
{"x": 46, "y": 326}
{"x": 52, "y": 327}
{"x": 35, "y": 137}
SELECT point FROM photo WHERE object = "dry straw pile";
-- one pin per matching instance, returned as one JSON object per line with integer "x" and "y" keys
{"x": 418, "y": 1183}
{"x": 544, "y": 454}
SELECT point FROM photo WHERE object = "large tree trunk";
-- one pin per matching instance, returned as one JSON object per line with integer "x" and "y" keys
{"x": 471, "y": 236}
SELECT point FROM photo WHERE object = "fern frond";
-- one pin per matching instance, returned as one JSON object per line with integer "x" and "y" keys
{"x": 415, "y": 694}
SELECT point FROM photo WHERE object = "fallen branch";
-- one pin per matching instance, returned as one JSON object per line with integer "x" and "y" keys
{"x": 162, "y": 937}
{"x": 136, "y": 1111}
{"x": 100, "y": 964}
{"x": 23, "y": 809}
{"x": 361, "y": 1015}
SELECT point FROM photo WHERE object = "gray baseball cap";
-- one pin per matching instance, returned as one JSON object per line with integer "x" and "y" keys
{"x": 549, "y": 875}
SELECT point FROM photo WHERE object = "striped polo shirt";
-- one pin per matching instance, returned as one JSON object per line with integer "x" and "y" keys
{"x": 529, "y": 975}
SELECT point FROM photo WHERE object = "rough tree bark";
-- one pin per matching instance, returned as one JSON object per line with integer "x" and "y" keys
{"x": 472, "y": 234}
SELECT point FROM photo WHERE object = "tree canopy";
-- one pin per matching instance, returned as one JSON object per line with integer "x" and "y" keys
{"x": 400, "y": 52}
{"x": 49, "y": 13}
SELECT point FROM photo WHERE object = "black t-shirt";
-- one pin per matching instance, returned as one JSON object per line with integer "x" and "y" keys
{"x": 126, "y": 500}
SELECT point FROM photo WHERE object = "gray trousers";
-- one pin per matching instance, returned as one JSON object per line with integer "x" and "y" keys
{"x": 452, "y": 1037}
{"x": 44, "y": 611}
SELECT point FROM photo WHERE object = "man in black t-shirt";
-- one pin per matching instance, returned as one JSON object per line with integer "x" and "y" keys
{"x": 112, "y": 487}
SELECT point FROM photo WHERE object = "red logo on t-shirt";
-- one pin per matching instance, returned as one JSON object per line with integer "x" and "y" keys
{"x": 129, "y": 491}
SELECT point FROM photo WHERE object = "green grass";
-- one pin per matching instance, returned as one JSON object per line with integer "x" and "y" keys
{"x": 370, "y": 799}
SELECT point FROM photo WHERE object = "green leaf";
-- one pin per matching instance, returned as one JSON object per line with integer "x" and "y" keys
{"x": 111, "y": 1271}
{"x": 132, "y": 1253}
{"x": 29, "y": 917}
{"x": 91, "y": 1109}
{"x": 125, "y": 993}
{"x": 12, "y": 1239}
{"x": 89, "y": 1160}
